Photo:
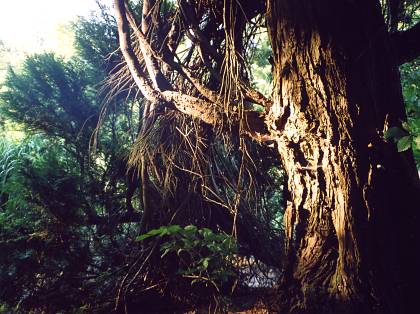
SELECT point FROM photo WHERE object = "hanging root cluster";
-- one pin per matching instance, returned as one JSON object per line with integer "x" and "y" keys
{"x": 185, "y": 65}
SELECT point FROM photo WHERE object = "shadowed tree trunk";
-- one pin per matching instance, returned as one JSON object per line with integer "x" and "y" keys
{"x": 351, "y": 239}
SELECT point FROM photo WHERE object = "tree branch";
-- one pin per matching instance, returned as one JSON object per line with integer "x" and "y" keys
{"x": 195, "y": 107}
{"x": 158, "y": 79}
{"x": 129, "y": 55}
{"x": 406, "y": 44}
{"x": 149, "y": 53}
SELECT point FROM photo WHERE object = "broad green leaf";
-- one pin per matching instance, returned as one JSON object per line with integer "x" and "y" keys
{"x": 174, "y": 229}
{"x": 206, "y": 232}
{"x": 190, "y": 228}
{"x": 417, "y": 141}
{"x": 406, "y": 126}
{"x": 394, "y": 133}
{"x": 206, "y": 262}
{"x": 404, "y": 143}
{"x": 143, "y": 237}
{"x": 151, "y": 233}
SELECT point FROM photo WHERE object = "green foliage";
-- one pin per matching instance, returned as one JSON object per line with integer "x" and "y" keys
{"x": 49, "y": 248}
{"x": 61, "y": 242}
{"x": 4, "y": 309}
{"x": 95, "y": 43}
{"x": 204, "y": 256}
{"x": 400, "y": 137}
{"x": 260, "y": 64}
{"x": 12, "y": 192}
{"x": 410, "y": 79}
{"x": 394, "y": 133}
{"x": 28, "y": 238}
{"x": 164, "y": 230}
{"x": 408, "y": 136}
{"x": 51, "y": 95}
{"x": 404, "y": 143}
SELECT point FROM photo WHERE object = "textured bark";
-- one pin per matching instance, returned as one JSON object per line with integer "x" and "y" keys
{"x": 336, "y": 90}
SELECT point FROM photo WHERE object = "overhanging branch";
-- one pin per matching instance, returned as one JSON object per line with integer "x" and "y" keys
{"x": 158, "y": 79}
{"x": 129, "y": 55}
{"x": 406, "y": 44}
{"x": 205, "y": 110}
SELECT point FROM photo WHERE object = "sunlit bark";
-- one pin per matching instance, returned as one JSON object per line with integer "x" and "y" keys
{"x": 337, "y": 90}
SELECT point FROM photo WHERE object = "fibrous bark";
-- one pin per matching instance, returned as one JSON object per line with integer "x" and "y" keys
{"x": 336, "y": 92}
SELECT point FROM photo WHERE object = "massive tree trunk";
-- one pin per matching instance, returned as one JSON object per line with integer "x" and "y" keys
{"x": 351, "y": 239}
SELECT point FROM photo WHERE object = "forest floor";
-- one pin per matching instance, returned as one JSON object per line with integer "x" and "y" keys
{"x": 249, "y": 301}
{"x": 253, "y": 301}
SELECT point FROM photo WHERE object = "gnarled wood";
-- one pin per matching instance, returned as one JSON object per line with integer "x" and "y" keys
{"x": 336, "y": 87}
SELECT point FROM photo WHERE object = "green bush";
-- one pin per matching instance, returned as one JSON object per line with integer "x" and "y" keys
{"x": 204, "y": 256}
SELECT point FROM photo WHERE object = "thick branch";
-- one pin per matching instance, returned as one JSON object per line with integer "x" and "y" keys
{"x": 195, "y": 107}
{"x": 129, "y": 55}
{"x": 150, "y": 53}
{"x": 146, "y": 18}
{"x": 158, "y": 79}
{"x": 406, "y": 44}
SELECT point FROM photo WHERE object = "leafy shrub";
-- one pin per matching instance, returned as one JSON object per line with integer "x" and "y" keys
{"x": 204, "y": 256}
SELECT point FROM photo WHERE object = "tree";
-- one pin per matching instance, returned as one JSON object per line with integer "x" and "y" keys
{"x": 351, "y": 243}
{"x": 66, "y": 214}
